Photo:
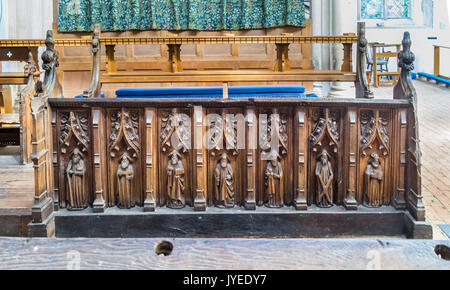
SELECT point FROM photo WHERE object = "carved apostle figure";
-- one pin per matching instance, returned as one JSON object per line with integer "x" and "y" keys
{"x": 223, "y": 177}
{"x": 175, "y": 180}
{"x": 125, "y": 175}
{"x": 272, "y": 175}
{"x": 373, "y": 182}
{"x": 324, "y": 180}
{"x": 76, "y": 171}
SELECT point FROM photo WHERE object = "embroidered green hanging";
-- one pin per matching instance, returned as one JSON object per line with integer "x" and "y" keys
{"x": 123, "y": 15}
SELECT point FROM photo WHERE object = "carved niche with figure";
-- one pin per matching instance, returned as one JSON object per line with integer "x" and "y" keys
{"x": 324, "y": 180}
{"x": 223, "y": 182}
{"x": 74, "y": 169}
{"x": 175, "y": 181}
{"x": 125, "y": 178}
{"x": 175, "y": 143}
{"x": 274, "y": 144}
{"x": 325, "y": 146}
{"x": 125, "y": 175}
{"x": 374, "y": 149}
{"x": 273, "y": 174}
{"x": 76, "y": 182}
{"x": 223, "y": 157}
{"x": 373, "y": 182}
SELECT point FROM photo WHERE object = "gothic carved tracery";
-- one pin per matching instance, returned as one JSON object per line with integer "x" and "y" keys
{"x": 374, "y": 127}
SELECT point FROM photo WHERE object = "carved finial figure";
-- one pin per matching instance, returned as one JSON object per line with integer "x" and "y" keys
{"x": 223, "y": 176}
{"x": 50, "y": 55}
{"x": 175, "y": 180}
{"x": 324, "y": 180}
{"x": 373, "y": 182}
{"x": 75, "y": 172}
{"x": 272, "y": 175}
{"x": 125, "y": 175}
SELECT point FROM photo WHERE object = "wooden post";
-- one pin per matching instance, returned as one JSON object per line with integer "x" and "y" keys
{"x": 95, "y": 86}
{"x": 110, "y": 61}
{"x": 282, "y": 61}
{"x": 436, "y": 60}
{"x": 200, "y": 166}
{"x": 225, "y": 90}
{"x": 251, "y": 147}
{"x": 25, "y": 113}
{"x": 400, "y": 123}
{"x": 151, "y": 165}
{"x": 175, "y": 58}
{"x": 374, "y": 67}
{"x": 99, "y": 152}
{"x": 301, "y": 132}
{"x": 352, "y": 149}
{"x": 42, "y": 223}
{"x": 404, "y": 89}
{"x": 362, "y": 88}
{"x": 347, "y": 64}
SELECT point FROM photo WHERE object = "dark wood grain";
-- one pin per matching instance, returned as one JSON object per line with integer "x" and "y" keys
{"x": 206, "y": 254}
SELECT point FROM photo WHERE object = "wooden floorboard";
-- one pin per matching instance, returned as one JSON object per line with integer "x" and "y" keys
{"x": 16, "y": 193}
{"x": 208, "y": 254}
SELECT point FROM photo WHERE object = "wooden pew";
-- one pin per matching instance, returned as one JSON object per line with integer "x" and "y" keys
{"x": 175, "y": 73}
{"x": 103, "y": 166}
{"x": 18, "y": 127}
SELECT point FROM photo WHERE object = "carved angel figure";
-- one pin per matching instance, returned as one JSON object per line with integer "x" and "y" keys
{"x": 75, "y": 172}
{"x": 223, "y": 177}
{"x": 373, "y": 182}
{"x": 125, "y": 175}
{"x": 324, "y": 178}
{"x": 272, "y": 175}
{"x": 175, "y": 181}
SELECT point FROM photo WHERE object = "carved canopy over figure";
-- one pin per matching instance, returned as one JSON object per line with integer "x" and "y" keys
{"x": 76, "y": 171}
{"x": 373, "y": 182}
{"x": 175, "y": 181}
{"x": 324, "y": 180}
{"x": 272, "y": 175}
{"x": 223, "y": 176}
{"x": 125, "y": 175}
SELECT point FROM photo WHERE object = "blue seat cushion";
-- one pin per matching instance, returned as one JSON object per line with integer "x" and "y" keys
{"x": 433, "y": 77}
{"x": 212, "y": 92}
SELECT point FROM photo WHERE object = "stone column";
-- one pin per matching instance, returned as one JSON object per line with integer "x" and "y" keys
{"x": 337, "y": 8}
{"x": 316, "y": 18}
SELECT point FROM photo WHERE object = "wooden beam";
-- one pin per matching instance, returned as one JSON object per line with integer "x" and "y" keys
{"x": 254, "y": 254}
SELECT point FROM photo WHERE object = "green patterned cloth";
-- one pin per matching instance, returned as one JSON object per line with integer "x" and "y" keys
{"x": 122, "y": 15}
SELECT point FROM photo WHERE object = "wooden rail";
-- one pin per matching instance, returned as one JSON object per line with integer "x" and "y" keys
{"x": 437, "y": 58}
{"x": 347, "y": 39}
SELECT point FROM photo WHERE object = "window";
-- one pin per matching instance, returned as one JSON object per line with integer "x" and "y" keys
{"x": 385, "y": 9}
{"x": 396, "y": 13}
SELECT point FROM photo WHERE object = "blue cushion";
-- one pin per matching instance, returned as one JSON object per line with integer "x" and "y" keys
{"x": 433, "y": 77}
{"x": 168, "y": 91}
{"x": 212, "y": 92}
{"x": 265, "y": 89}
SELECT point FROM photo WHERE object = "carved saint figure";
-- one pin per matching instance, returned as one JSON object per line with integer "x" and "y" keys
{"x": 324, "y": 178}
{"x": 223, "y": 176}
{"x": 175, "y": 180}
{"x": 373, "y": 182}
{"x": 76, "y": 171}
{"x": 272, "y": 175}
{"x": 125, "y": 175}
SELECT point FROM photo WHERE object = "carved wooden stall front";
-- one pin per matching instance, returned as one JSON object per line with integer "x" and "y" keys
{"x": 322, "y": 127}
{"x": 190, "y": 166}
